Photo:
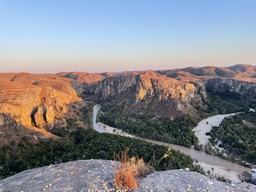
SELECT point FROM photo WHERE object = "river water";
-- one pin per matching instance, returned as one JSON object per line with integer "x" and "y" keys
{"x": 221, "y": 166}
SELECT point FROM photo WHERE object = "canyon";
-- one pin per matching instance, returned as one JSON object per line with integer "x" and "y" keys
{"x": 32, "y": 106}
{"x": 38, "y": 100}
{"x": 168, "y": 93}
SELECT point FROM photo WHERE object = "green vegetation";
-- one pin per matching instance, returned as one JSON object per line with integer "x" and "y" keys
{"x": 84, "y": 144}
{"x": 80, "y": 143}
{"x": 238, "y": 136}
{"x": 226, "y": 102}
{"x": 88, "y": 114}
{"x": 178, "y": 131}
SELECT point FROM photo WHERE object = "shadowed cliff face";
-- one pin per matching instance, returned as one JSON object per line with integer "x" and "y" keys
{"x": 231, "y": 85}
{"x": 35, "y": 100}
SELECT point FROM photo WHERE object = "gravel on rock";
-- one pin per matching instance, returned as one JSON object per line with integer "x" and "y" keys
{"x": 83, "y": 175}
{"x": 98, "y": 175}
{"x": 182, "y": 181}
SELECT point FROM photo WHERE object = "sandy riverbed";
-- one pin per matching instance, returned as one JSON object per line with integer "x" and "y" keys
{"x": 206, "y": 125}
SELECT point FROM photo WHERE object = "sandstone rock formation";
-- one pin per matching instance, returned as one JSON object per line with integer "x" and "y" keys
{"x": 167, "y": 93}
{"x": 146, "y": 92}
{"x": 35, "y": 100}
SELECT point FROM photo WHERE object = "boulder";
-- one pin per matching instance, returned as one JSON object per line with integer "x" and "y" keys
{"x": 39, "y": 117}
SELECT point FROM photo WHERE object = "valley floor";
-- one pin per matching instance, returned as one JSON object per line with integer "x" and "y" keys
{"x": 214, "y": 165}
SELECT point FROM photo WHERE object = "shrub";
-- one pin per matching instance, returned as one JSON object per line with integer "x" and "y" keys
{"x": 127, "y": 174}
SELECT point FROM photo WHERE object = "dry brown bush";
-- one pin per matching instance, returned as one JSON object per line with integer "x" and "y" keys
{"x": 127, "y": 174}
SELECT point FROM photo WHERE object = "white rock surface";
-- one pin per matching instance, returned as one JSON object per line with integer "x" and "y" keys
{"x": 98, "y": 175}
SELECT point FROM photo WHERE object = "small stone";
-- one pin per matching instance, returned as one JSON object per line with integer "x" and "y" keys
{"x": 187, "y": 169}
{"x": 189, "y": 187}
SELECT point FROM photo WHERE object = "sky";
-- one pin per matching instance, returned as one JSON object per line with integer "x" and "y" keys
{"x": 50, "y": 36}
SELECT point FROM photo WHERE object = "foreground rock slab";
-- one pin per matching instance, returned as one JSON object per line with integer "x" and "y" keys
{"x": 98, "y": 175}
{"x": 94, "y": 175}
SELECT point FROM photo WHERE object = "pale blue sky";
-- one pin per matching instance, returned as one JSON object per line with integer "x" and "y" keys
{"x": 49, "y": 36}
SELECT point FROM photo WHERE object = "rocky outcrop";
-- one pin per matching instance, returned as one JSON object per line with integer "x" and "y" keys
{"x": 146, "y": 92}
{"x": 168, "y": 93}
{"x": 231, "y": 85}
{"x": 163, "y": 88}
{"x": 98, "y": 175}
{"x": 35, "y": 100}
{"x": 39, "y": 117}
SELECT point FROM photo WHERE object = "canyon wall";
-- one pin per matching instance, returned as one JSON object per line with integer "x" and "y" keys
{"x": 35, "y": 100}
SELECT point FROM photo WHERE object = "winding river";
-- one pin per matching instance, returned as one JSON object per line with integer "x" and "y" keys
{"x": 208, "y": 162}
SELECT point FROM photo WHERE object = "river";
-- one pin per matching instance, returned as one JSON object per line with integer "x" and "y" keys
{"x": 220, "y": 166}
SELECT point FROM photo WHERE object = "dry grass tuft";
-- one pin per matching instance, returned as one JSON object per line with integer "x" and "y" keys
{"x": 126, "y": 175}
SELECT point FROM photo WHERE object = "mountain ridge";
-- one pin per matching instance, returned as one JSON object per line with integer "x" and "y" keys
{"x": 36, "y": 100}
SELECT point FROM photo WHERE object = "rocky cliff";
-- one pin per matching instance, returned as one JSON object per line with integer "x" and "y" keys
{"x": 168, "y": 93}
{"x": 146, "y": 92}
{"x": 98, "y": 175}
{"x": 35, "y": 100}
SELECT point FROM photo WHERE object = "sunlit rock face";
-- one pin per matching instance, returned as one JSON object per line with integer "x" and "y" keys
{"x": 167, "y": 93}
{"x": 146, "y": 93}
{"x": 35, "y": 100}
{"x": 150, "y": 84}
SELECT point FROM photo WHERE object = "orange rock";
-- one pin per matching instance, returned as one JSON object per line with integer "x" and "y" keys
{"x": 35, "y": 100}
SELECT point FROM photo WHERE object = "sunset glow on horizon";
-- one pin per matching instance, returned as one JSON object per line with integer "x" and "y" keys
{"x": 46, "y": 36}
